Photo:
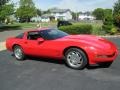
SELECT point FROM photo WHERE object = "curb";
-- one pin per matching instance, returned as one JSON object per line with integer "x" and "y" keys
{"x": 110, "y": 36}
{"x": 2, "y": 46}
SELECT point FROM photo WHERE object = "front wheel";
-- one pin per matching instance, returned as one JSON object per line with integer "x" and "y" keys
{"x": 76, "y": 58}
{"x": 18, "y": 53}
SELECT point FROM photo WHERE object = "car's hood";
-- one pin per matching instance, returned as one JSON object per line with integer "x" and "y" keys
{"x": 91, "y": 40}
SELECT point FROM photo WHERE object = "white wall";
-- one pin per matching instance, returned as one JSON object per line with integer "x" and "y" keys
{"x": 45, "y": 19}
{"x": 68, "y": 15}
{"x": 84, "y": 17}
{"x": 64, "y": 16}
{"x": 36, "y": 19}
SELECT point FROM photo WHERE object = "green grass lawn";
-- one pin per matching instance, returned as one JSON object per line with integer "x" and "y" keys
{"x": 34, "y": 25}
{"x": 25, "y": 25}
{"x": 20, "y": 26}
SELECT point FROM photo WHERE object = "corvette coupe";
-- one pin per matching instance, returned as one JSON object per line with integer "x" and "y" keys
{"x": 77, "y": 50}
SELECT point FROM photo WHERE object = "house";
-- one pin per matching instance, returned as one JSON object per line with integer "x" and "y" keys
{"x": 45, "y": 18}
{"x": 62, "y": 14}
{"x": 57, "y": 14}
{"x": 36, "y": 19}
{"x": 86, "y": 16}
{"x": 54, "y": 14}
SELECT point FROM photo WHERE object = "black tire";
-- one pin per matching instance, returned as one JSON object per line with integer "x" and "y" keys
{"x": 20, "y": 57}
{"x": 82, "y": 62}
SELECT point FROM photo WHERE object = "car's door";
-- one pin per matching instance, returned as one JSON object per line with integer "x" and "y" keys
{"x": 48, "y": 48}
{"x": 41, "y": 48}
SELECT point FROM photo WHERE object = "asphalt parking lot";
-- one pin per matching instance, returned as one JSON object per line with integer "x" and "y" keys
{"x": 42, "y": 74}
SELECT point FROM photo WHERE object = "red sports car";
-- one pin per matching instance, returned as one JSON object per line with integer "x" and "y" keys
{"x": 77, "y": 50}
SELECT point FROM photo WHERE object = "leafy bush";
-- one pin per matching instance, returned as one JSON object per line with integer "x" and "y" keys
{"x": 107, "y": 24}
{"x": 116, "y": 21}
{"x": 113, "y": 31}
{"x": 77, "y": 29}
{"x": 107, "y": 28}
{"x": 97, "y": 29}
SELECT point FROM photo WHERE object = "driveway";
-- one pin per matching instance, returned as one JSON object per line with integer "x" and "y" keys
{"x": 5, "y": 34}
{"x": 43, "y": 74}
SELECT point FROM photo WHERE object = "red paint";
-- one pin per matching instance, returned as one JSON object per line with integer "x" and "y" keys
{"x": 93, "y": 46}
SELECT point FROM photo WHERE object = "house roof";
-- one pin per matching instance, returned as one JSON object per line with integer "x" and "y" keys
{"x": 56, "y": 10}
{"x": 46, "y": 16}
{"x": 86, "y": 13}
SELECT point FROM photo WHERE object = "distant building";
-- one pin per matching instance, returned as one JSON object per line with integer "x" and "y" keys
{"x": 45, "y": 18}
{"x": 36, "y": 19}
{"x": 62, "y": 14}
{"x": 57, "y": 14}
{"x": 86, "y": 16}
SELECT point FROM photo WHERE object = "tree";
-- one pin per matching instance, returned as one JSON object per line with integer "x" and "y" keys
{"x": 49, "y": 10}
{"x": 39, "y": 12}
{"x": 108, "y": 20}
{"x": 26, "y": 10}
{"x": 87, "y": 13}
{"x": 5, "y": 10}
{"x": 46, "y": 12}
{"x": 108, "y": 13}
{"x": 3, "y": 2}
{"x": 116, "y": 7}
{"x": 75, "y": 15}
{"x": 116, "y": 13}
{"x": 99, "y": 13}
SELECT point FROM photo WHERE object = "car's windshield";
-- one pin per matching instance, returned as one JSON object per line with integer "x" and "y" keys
{"x": 51, "y": 34}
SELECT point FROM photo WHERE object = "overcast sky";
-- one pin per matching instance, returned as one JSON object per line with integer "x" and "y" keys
{"x": 74, "y": 5}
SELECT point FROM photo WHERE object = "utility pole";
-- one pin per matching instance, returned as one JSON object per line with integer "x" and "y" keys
{"x": 76, "y": 15}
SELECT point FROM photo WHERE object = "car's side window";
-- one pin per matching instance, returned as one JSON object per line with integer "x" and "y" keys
{"x": 33, "y": 35}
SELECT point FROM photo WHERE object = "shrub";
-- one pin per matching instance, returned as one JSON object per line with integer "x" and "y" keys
{"x": 77, "y": 29}
{"x": 117, "y": 21}
{"x": 97, "y": 30}
{"x": 107, "y": 28}
{"x": 107, "y": 24}
{"x": 113, "y": 31}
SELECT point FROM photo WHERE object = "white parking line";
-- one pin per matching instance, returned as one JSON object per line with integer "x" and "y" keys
{"x": 2, "y": 46}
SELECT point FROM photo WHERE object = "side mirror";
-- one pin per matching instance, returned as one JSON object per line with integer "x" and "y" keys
{"x": 40, "y": 40}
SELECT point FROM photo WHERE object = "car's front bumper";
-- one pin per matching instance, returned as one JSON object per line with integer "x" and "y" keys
{"x": 102, "y": 56}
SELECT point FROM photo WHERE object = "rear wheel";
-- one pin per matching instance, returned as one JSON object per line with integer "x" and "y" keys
{"x": 75, "y": 58}
{"x": 18, "y": 53}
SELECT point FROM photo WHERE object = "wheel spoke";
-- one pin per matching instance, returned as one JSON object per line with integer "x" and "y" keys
{"x": 74, "y": 58}
{"x": 18, "y": 53}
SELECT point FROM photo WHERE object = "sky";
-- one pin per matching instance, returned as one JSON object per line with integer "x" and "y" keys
{"x": 74, "y": 5}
